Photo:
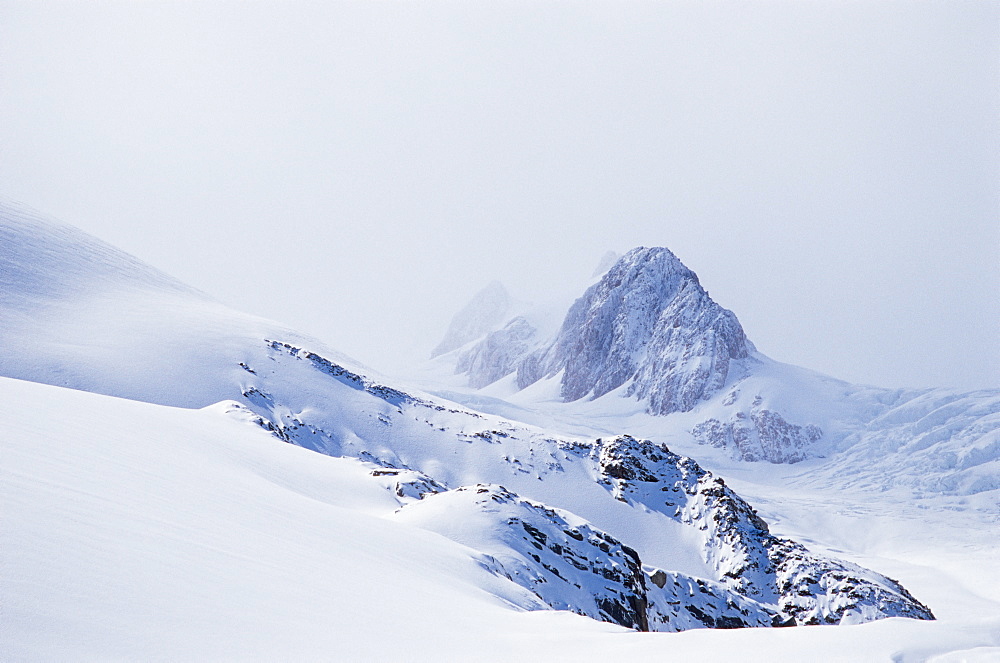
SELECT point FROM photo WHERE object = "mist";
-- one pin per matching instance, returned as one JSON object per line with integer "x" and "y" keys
{"x": 359, "y": 170}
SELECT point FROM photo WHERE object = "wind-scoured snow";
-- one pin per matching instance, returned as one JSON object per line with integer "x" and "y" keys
{"x": 142, "y": 532}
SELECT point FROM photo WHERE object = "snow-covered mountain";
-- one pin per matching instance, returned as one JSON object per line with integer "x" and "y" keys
{"x": 648, "y": 332}
{"x": 646, "y": 323}
{"x": 134, "y": 531}
{"x": 486, "y": 510}
{"x": 485, "y": 311}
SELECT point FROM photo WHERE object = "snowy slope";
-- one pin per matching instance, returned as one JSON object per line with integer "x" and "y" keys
{"x": 143, "y": 532}
{"x": 79, "y": 313}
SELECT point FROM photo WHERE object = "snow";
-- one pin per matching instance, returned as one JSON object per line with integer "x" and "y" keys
{"x": 139, "y": 531}
{"x": 82, "y": 314}
{"x": 147, "y": 513}
{"x": 133, "y": 530}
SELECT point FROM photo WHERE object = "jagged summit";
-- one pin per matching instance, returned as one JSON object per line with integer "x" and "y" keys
{"x": 648, "y": 330}
{"x": 647, "y": 323}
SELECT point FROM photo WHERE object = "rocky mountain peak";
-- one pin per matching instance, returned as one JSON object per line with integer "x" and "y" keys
{"x": 647, "y": 323}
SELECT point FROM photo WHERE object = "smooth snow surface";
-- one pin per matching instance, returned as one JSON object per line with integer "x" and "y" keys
{"x": 79, "y": 313}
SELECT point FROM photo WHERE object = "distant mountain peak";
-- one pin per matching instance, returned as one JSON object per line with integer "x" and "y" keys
{"x": 647, "y": 322}
{"x": 606, "y": 262}
{"x": 485, "y": 312}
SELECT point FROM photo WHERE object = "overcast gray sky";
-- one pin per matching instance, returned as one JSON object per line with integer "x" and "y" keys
{"x": 359, "y": 169}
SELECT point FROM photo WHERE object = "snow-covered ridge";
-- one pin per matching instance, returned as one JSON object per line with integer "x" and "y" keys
{"x": 45, "y": 260}
{"x": 79, "y": 313}
{"x": 394, "y": 430}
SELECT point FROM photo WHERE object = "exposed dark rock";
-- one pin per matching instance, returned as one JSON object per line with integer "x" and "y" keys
{"x": 748, "y": 559}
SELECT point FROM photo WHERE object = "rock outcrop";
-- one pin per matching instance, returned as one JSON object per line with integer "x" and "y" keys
{"x": 571, "y": 565}
{"x": 752, "y": 578}
{"x": 806, "y": 588}
{"x": 761, "y": 434}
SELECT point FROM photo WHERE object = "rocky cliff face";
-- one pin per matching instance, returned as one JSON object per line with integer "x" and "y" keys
{"x": 571, "y": 565}
{"x": 649, "y": 330}
{"x": 762, "y": 435}
{"x": 806, "y": 588}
